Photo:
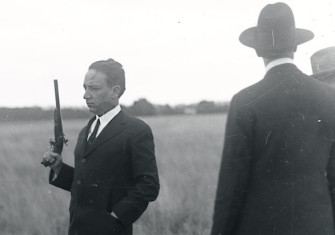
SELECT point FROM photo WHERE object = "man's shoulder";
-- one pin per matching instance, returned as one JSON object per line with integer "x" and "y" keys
{"x": 248, "y": 93}
{"x": 135, "y": 122}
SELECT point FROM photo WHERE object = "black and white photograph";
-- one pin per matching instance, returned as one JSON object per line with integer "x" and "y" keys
{"x": 200, "y": 117}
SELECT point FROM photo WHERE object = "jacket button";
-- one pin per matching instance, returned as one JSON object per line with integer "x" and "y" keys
{"x": 78, "y": 181}
{"x": 83, "y": 160}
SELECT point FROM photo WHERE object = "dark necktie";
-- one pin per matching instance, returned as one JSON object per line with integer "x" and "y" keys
{"x": 94, "y": 133}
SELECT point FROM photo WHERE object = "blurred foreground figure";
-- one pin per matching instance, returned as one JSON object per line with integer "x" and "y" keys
{"x": 115, "y": 174}
{"x": 277, "y": 172}
{"x": 323, "y": 65}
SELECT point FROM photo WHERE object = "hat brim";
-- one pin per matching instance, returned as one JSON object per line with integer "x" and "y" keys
{"x": 328, "y": 75}
{"x": 248, "y": 36}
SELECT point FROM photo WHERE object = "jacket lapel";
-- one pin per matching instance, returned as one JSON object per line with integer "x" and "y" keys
{"x": 80, "y": 149}
{"x": 114, "y": 127}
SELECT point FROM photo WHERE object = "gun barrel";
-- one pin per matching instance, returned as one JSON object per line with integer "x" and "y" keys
{"x": 58, "y": 117}
{"x": 56, "y": 94}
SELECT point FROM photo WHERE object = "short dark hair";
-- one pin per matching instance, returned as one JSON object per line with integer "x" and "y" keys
{"x": 114, "y": 72}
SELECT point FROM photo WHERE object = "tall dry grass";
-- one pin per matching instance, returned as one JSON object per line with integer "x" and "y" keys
{"x": 188, "y": 150}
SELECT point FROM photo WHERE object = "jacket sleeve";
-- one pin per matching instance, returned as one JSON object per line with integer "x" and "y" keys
{"x": 145, "y": 175}
{"x": 64, "y": 179}
{"x": 234, "y": 171}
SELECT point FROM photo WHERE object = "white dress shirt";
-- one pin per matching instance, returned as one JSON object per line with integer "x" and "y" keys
{"x": 104, "y": 120}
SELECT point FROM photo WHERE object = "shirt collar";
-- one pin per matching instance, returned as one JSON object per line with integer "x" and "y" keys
{"x": 107, "y": 117}
{"x": 277, "y": 62}
{"x": 104, "y": 119}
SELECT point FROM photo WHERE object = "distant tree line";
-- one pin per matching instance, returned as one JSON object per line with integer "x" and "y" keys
{"x": 141, "y": 107}
{"x": 37, "y": 113}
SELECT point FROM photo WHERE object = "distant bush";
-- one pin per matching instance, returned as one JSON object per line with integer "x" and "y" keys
{"x": 142, "y": 107}
{"x": 168, "y": 110}
{"x": 211, "y": 107}
{"x": 19, "y": 114}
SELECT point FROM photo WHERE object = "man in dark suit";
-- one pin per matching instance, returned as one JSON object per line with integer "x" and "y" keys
{"x": 277, "y": 173}
{"x": 115, "y": 174}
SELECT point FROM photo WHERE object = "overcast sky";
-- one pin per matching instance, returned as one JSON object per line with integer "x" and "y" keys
{"x": 173, "y": 51}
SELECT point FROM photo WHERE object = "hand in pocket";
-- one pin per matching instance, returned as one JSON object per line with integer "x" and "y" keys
{"x": 98, "y": 223}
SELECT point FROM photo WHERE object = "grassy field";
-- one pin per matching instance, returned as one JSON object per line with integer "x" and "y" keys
{"x": 188, "y": 150}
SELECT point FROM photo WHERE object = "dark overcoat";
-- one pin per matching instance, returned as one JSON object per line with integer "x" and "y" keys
{"x": 277, "y": 171}
{"x": 117, "y": 173}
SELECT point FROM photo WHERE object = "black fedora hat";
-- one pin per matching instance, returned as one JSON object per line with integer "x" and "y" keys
{"x": 323, "y": 64}
{"x": 275, "y": 32}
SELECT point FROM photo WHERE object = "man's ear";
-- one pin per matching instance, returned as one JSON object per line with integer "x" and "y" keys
{"x": 116, "y": 91}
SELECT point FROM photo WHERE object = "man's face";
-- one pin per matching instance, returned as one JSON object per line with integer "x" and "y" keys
{"x": 99, "y": 95}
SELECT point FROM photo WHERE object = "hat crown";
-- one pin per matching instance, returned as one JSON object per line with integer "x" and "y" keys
{"x": 275, "y": 32}
{"x": 278, "y": 14}
{"x": 276, "y": 27}
{"x": 323, "y": 60}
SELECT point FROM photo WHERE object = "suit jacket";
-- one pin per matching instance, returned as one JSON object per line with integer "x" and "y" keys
{"x": 277, "y": 171}
{"x": 117, "y": 173}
